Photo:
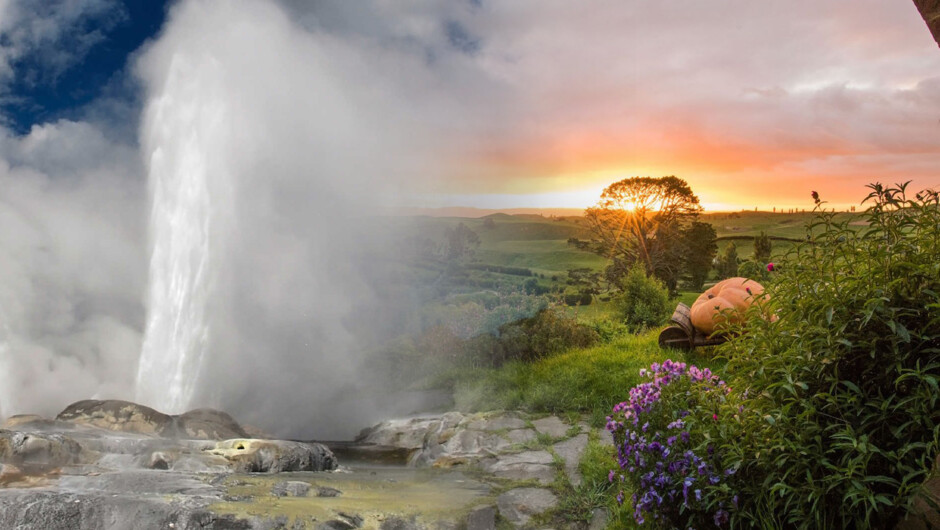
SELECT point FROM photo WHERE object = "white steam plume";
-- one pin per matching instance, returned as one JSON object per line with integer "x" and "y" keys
{"x": 267, "y": 146}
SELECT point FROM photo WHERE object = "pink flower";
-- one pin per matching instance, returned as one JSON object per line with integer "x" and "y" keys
{"x": 715, "y": 417}
{"x": 770, "y": 267}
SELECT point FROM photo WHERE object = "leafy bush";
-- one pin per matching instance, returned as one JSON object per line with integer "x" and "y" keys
{"x": 676, "y": 476}
{"x": 844, "y": 419}
{"x": 608, "y": 329}
{"x": 545, "y": 334}
{"x": 643, "y": 301}
{"x": 574, "y": 299}
{"x": 753, "y": 270}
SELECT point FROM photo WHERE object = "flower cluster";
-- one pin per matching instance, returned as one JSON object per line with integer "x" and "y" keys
{"x": 655, "y": 449}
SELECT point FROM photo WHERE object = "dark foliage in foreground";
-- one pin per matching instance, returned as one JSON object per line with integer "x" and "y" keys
{"x": 843, "y": 423}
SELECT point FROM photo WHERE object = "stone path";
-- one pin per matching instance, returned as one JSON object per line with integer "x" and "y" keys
{"x": 506, "y": 446}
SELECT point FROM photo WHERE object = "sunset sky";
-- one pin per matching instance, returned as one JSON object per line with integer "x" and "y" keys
{"x": 541, "y": 103}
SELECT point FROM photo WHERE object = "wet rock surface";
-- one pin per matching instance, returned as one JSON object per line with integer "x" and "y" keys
{"x": 111, "y": 464}
{"x": 116, "y": 464}
{"x": 505, "y": 446}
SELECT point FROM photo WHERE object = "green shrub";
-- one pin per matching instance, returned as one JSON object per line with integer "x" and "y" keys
{"x": 643, "y": 301}
{"x": 575, "y": 299}
{"x": 843, "y": 419}
{"x": 547, "y": 333}
{"x": 754, "y": 271}
{"x": 608, "y": 329}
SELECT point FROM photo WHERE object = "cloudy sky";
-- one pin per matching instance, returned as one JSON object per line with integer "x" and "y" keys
{"x": 543, "y": 102}
{"x": 234, "y": 145}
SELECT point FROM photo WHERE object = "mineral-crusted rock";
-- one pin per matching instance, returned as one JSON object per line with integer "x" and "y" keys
{"x": 410, "y": 433}
{"x": 208, "y": 424}
{"x": 291, "y": 488}
{"x": 38, "y": 449}
{"x": 274, "y": 456}
{"x": 117, "y": 415}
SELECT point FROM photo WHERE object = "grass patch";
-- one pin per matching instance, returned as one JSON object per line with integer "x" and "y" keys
{"x": 590, "y": 380}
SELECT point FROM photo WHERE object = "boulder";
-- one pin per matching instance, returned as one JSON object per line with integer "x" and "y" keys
{"x": 291, "y": 488}
{"x": 117, "y": 415}
{"x": 274, "y": 456}
{"x": 28, "y": 421}
{"x": 410, "y": 433}
{"x": 208, "y": 424}
{"x": 38, "y": 449}
{"x": 326, "y": 491}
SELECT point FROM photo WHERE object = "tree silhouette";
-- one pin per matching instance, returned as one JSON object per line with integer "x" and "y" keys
{"x": 641, "y": 221}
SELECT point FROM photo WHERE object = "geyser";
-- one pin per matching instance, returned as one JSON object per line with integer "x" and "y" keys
{"x": 267, "y": 145}
{"x": 179, "y": 129}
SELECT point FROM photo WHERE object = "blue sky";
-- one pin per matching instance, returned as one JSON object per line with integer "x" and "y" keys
{"x": 65, "y": 55}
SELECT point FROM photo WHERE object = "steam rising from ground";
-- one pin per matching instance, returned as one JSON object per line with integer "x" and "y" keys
{"x": 71, "y": 264}
{"x": 266, "y": 144}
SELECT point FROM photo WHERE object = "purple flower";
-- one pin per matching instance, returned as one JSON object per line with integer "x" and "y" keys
{"x": 653, "y": 464}
{"x": 721, "y": 517}
{"x": 770, "y": 267}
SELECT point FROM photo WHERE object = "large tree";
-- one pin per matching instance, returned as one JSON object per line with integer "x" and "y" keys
{"x": 641, "y": 221}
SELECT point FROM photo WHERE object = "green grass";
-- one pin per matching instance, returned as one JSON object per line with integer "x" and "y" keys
{"x": 588, "y": 381}
{"x": 543, "y": 256}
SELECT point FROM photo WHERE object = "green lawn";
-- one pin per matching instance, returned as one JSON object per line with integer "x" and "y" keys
{"x": 587, "y": 381}
{"x": 546, "y": 256}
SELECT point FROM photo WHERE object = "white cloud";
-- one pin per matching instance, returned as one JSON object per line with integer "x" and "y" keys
{"x": 53, "y": 35}
{"x": 72, "y": 267}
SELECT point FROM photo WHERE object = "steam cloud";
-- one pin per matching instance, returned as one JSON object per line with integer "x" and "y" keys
{"x": 302, "y": 117}
{"x": 288, "y": 137}
{"x": 272, "y": 143}
{"x": 72, "y": 263}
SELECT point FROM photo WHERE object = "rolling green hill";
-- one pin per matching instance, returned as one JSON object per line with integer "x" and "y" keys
{"x": 532, "y": 253}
